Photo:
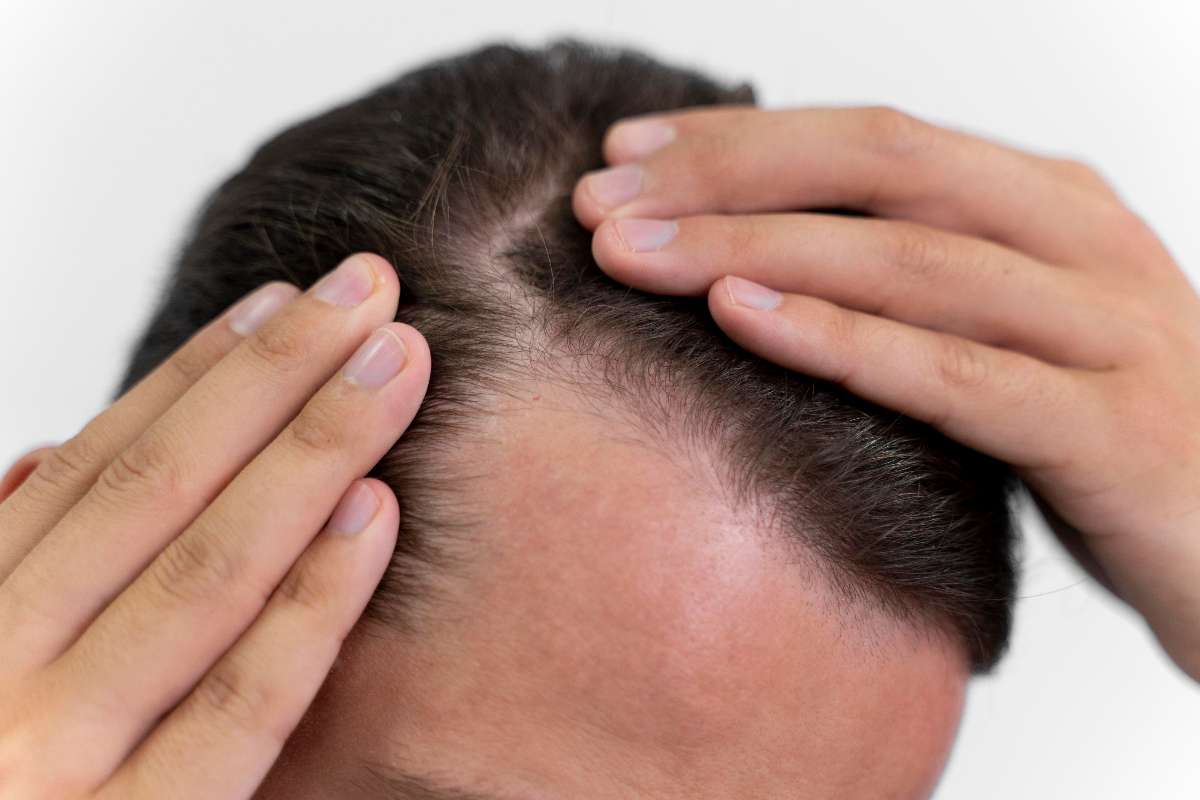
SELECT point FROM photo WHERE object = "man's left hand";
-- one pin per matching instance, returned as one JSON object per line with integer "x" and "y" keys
{"x": 1010, "y": 300}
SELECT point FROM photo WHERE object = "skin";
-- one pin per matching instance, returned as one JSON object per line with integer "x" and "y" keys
{"x": 176, "y": 582}
{"x": 1012, "y": 301}
{"x": 637, "y": 640}
{"x": 174, "y": 585}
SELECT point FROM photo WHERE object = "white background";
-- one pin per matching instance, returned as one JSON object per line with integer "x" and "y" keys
{"x": 117, "y": 116}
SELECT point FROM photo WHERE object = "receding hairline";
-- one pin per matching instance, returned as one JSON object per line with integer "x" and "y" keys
{"x": 480, "y": 466}
{"x": 484, "y": 143}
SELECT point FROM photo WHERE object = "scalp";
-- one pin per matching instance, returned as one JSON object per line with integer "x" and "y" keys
{"x": 460, "y": 174}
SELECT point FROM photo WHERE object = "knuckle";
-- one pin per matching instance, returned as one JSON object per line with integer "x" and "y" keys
{"x": 145, "y": 469}
{"x": 194, "y": 568}
{"x": 1130, "y": 227}
{"x": 843, "y": 329}
{"x": 960, "y": 364}
{"x": 188, "y": 364}
{"x": 1128, "y": 238}
{"x": 919, "y": 254}
{"x": 1081, "y": 172}
{"x": 1132, "y": 328}
{"x": 318, "y": 430}
{"x": 1144, "y": 336}
{"x": 280, "y": 346}
{"x": 895, "y": 133}
{"x": 235, "y": 699}
{"x": 842, "y": 335}
{"x": 76, "y": 460}
{"x": 309, "y": 589}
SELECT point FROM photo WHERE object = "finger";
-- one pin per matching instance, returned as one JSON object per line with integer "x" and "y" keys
{"x": 222, "y": 739}
{"x": 900, "y": 270}
{"x": 148, "y": 649}
{"x": 627, "y": 142}
{"x": 1009, "y": 405}
{"x": 738, "y": 160}
{"x": 158, "y": 484}
{"x": 70, "y": 470}
{"x": 1076, "y": 172}
{"x": 21, "y": 470}
{"x": 1072, "y": 540}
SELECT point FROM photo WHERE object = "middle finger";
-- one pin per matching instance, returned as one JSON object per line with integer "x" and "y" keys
{"x": 905, "y": 271}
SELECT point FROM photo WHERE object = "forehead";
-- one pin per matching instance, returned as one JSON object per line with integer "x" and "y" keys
{"x": 622, "y": 630}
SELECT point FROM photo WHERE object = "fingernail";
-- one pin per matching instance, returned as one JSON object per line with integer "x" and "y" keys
{"x": 248, "y": 315}
{"x": 356, "y": 508}
{"x": 348, "y": 285}
{"x": 752, "y": 295}
{"x": 640, "y": 138}
{"x": 616, "y": 185}
{"x": 378, "y": 360}
{"x": 642, "y": 235}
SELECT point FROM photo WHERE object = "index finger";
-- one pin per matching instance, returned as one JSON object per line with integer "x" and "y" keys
{"x": 879, "y": 160}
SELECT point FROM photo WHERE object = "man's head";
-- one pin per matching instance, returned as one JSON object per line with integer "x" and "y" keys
{"x": 634, "y": 560}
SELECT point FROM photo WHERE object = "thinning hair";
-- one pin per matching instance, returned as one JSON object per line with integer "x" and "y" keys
{"x": 460, "y": 174}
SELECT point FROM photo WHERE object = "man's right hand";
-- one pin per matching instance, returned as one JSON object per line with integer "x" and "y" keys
{"x": 167, "y": 607}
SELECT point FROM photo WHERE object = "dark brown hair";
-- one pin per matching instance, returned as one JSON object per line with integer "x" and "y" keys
{"x": 460, "y": 174}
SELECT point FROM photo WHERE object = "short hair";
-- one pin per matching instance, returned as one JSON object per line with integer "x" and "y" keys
{"x": 460, "y": 173}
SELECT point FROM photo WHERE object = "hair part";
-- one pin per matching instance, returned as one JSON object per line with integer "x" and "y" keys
{"x": 460, "y": 174}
